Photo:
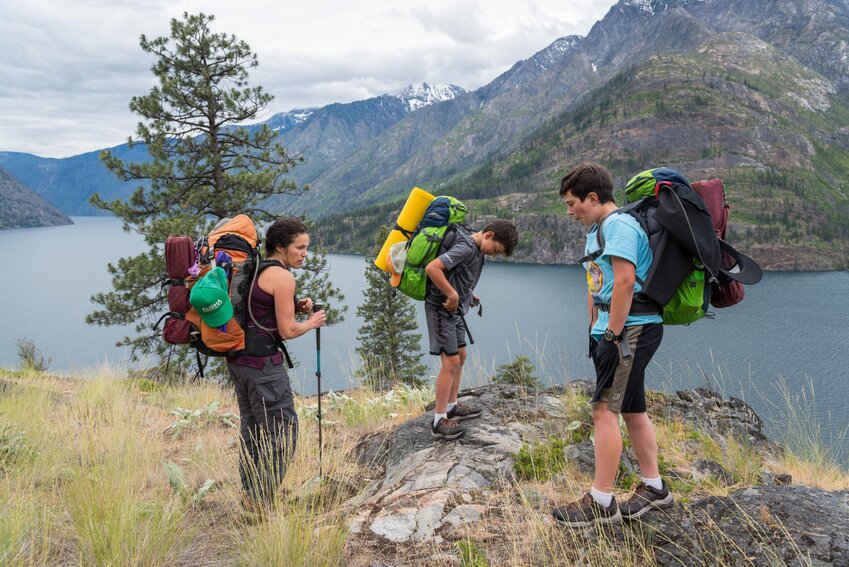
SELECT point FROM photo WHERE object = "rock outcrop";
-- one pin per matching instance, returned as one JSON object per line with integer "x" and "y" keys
{"x": 424, "y": 491}
{"x": 428, "y": 484}
{"x": 762, "y": 525}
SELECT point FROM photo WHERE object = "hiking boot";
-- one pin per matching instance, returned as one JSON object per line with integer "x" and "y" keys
{"x": 447, "y": 429}
{"x": 586, "y": 512}
{"x": 462, "y": 411}
{"x": 644, "y": 499}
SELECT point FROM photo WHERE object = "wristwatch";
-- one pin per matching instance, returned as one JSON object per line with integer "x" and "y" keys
{"x": 611, "y": 336}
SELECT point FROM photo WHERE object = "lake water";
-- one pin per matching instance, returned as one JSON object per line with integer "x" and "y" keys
{"x": 791, "y": 329}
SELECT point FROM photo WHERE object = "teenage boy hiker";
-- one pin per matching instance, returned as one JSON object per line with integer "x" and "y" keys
{"x": 453, "y": 276}
{"x": 621, "y": 345}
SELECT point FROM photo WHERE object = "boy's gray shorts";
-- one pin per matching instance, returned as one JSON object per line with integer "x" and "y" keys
{"x": 445, "y": 330}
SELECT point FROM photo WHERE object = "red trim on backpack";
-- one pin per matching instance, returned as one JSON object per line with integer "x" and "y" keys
{"x": 657, "y": 187}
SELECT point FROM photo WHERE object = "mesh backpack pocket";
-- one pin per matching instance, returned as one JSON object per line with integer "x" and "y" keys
{"x": 689, "y": 304}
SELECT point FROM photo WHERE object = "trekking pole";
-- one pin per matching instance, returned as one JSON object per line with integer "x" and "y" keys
{"x": 315, "y": 308}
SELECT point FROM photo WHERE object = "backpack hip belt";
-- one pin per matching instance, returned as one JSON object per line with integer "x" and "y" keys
{"x": 638, "y": 307}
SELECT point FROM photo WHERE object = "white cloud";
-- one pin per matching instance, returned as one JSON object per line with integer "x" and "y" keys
{"x": 69, "y": 69}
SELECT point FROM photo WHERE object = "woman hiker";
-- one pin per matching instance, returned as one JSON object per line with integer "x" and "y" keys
{"x": 269, "y": 424}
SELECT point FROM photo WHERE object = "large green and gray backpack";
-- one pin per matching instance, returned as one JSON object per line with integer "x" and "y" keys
{"x": 686, "y": 253}
{"x": 442, "y": 216}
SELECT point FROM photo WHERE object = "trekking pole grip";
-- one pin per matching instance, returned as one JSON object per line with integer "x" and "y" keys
{"x": 316, "y": 307}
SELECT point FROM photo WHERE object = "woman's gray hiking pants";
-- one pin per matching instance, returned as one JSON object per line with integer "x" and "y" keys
{"x": 269, "y": 427}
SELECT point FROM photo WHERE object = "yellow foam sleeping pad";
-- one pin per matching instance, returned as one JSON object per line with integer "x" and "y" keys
{"x": 409, "y": 218}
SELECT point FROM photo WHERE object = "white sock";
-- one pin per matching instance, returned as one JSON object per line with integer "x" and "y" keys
{"x": 451, "y": 405}
{"x": 603, "y": 499}
{"x": 437, "y": 417}
{"x": 655, "y": 483}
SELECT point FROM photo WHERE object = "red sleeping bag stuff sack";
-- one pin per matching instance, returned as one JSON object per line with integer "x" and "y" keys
{"x": 180, "y": 255}
{"x": 726, "y": 292}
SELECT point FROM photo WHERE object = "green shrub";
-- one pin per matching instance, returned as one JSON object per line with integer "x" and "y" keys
{"x": 471, "y": 555}
{"x": 520, "y": 372}
{"x": 13, "y": 448}
{"x": 201, "y": 418}
{"x": 541, "y": 460}
{"x": 31, "y": 357}
{"x": 181, "y": 487}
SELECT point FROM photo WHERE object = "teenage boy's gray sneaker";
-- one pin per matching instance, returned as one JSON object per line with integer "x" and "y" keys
{"x": 447, "y": 429}
{"x": 646, "y": 498}
{"x": 586, "y": 512}
{"x": 462, "y": 411}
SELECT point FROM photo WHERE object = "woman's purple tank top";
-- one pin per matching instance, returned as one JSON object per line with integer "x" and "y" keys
{"x": 262, "y": 307}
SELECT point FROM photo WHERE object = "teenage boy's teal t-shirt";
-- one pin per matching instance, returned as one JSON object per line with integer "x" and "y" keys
{"x": 623, "y": 238}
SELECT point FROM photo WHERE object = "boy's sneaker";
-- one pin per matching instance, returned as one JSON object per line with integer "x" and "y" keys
{"x": 644, "y": 499}
{"x": 447, "y": 429}
{"x": 586, "y": 512}
{"x": 462, "y": 411}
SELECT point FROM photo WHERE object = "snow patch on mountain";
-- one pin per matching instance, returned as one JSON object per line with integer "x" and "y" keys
{"x": 644, "y": 6}
{"x": 423, "y": 94}
{"x": 651, "y": 7}
{"x": 282, "y": 121}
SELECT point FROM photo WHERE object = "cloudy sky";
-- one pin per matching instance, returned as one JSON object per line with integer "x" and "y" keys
{"x": 69, "y": 68}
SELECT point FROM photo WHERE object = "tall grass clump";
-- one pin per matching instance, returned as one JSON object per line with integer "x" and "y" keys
{"x": 114, "y": 491}
{"x": 811, "y": 458}
{"x": 304, "y": 525}
{"x": 295, "y": 535}
{"x": 28, "y": 534}
{"x": 31, "y": 457}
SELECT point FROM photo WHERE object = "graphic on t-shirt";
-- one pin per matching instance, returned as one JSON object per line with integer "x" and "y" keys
{"x": 595, "y": 278}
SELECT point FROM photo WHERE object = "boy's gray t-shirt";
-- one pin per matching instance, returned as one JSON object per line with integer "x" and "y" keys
{"x": 463, "y": 262}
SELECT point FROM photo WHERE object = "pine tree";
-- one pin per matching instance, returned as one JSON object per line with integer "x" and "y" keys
{"x": 203, "y": 166}
{"x": 389, "y": 348}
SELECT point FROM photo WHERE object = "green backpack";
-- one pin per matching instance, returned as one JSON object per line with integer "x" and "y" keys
{"x": 441, "y": 217}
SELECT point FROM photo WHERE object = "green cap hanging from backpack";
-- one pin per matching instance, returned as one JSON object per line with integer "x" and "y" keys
{"x": 209, "y": 296}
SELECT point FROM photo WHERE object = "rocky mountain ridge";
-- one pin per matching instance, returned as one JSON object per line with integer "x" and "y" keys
{"x": 326, "y": 134}
{"x": 775, "y": 126}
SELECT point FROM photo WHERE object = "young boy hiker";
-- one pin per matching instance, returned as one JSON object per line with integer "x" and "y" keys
{"x": 453, "y": 276}
{"x": 621, "y": 345}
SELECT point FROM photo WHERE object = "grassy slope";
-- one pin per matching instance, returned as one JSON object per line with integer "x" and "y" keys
{"x": 83, "y": 480}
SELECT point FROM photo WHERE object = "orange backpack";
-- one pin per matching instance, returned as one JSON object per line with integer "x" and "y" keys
{"x": 233, "y": 244}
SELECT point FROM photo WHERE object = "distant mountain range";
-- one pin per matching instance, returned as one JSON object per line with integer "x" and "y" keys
{"x": 324, "y": 135}
{"x": 753, "y": 91}
{"x": 21, "y": 208}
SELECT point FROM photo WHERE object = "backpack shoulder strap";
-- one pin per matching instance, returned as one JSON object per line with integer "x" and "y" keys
{"x": 599, "y": 238}
{"x": 630, "y": 209}
{"x": 451, "y": 236}
{"x": 263, "y": 264}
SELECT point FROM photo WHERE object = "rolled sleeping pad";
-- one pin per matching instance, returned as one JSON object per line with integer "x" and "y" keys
{"x": 408, "y": 219}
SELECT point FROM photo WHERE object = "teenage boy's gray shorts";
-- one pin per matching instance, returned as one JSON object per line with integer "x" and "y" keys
{"x": 445, "y": 330}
